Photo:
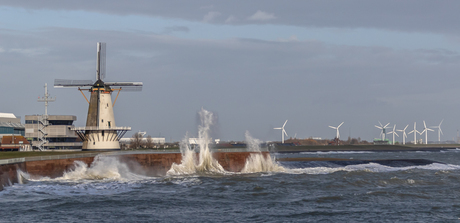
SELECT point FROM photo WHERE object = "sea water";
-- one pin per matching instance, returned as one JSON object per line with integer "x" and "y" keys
{"x": 108, "y": 192}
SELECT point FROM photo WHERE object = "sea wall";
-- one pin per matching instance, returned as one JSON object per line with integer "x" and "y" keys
{"x": 9, "y": 175}
{"x": 149, "y": 164}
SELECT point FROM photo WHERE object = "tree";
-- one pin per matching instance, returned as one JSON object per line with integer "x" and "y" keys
{"x": 136, "y": 141}
{"x": 149, "y": 143}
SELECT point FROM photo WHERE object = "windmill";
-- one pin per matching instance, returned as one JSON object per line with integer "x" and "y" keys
{"x": 394, "y": 133}
{"x": 383, "y": 128}
{"x": 439, "y": 130}
{"x": 283, "y": 132}
{"x": 100, "y": 132}
{"x": 337, "y": 136}
{"x": 404, "y": 134}
{"x": 415, "y": 133}
{"x": 425, "y": 130}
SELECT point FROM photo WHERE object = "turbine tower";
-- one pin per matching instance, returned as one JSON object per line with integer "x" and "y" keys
{"x": 425, "y": 130}
{"x": 100, "y": 132}
{"x": 439, "y": 130}
{"x": 337, "y": 136}
{"x": 415, "y": 133}
{"x": 383, "y": 128}
{"x": 283, "y": 132}
{"x": 404, "y": 134}
{"x": 394, "y": 133}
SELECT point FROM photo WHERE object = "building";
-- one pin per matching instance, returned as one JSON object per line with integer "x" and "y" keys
{"x": 10, "y": 125}
{"x": 15, "y": 143}
{"x": 59, "y": 135}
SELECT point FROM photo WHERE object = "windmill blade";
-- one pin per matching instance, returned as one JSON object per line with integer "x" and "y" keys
{"x": 441, "y": 123}
{"x": 396, "y": 134}
{"x": 386, "y": 125}
{"x": 285, "y": 123}
{"x": 277, "y": 128}
{"x": 60, "y": 83}
{"x": 378, "y": 127}
{"x": 340, "y": 125}
{"x": 121, "y": 84}
{"x": 101, "y": 61}
{"x": 406, "y": 127}
{"x": 332, "y": 127}
{"x": 440, "y": 130}
{"x": 127, "y": 88}
{"x": 284, "y": 131}
{"x": 380, "y": 124}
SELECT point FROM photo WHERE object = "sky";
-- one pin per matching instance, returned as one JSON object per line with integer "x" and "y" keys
{"x": 254, "y": 64}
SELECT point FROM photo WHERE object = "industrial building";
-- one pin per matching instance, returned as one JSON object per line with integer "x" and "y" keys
{"x": 57, "y": 132}
{"x": 12, "y": 133}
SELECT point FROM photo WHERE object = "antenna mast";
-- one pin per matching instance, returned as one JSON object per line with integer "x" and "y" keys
{"x": 43, "y": 120}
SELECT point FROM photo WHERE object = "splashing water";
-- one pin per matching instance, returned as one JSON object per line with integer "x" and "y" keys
{"x": 258, "y": 162}
{"x": 103, "y": 167}
{"x": 205, "y": 163}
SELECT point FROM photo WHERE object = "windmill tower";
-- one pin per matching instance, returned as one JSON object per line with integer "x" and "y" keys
{"x": 100, "y": 132}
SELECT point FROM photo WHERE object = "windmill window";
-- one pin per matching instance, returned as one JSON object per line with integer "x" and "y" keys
{"x": 109, "y": 123}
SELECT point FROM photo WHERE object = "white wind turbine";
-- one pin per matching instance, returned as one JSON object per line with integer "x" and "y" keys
{"x": 283, "y": 132}
{"x": 337, "y": 128}
{"x": 415, "y": 133}
{"x": 383, "y": 128}
{"x": 394, "y": 133}
{"x": 425, "y": 130}
{"x": 404, "y": 134}
{"x": 439, "y": 130}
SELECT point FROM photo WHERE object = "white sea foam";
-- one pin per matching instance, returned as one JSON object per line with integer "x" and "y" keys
{"x": 205, "y": 163}
{"x": 258, "y": 162}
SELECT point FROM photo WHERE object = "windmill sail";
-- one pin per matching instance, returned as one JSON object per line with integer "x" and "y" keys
{"x": 100, "y": 65}
{"x": 58, "y": 83}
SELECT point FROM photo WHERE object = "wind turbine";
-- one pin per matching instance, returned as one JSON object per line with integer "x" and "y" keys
{"x": 383, "y": 128}
{"x": 404, "y": 134}
{"x": 394, "y": 133}
{"x": 283, "y": 132}
{"x": 337, "y": 136}
{"x": 415, "y": 133}
{"x": 439, "y": 130}
{"x": 425, "y": 130}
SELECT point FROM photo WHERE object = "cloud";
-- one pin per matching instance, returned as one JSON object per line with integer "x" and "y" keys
{"x": 30, "y": 52}
{"x": 231, "y": 19}
{"x": 210, "y": 16}
{"x": 262, "y": 16}
{"x": 173, "y": 29}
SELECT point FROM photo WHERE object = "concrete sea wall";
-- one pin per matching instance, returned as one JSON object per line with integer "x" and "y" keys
{"x": 150, "y": 164}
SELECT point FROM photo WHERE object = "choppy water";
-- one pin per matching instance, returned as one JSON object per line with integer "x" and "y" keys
{"x": 285, "y": 192}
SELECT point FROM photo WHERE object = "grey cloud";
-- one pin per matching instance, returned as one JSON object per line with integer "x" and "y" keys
{"x": 407, "y": 16}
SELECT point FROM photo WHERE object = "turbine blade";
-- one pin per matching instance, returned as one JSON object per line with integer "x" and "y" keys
{"x": 340, "y": 125}
{"x": 332, "y": 127}
{"x": 380, "y": 124}
{"x": 285, "y": 123}
{"x": 386, "y": 125}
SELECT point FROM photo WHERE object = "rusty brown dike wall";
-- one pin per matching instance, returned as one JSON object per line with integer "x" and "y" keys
{"x": 151, "y": 164}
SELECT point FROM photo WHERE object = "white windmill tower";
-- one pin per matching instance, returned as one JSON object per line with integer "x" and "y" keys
{"x": 425, "y": 130}
{"x": 337, "y": 135}
{"x": 383, "y": 128}
{"x": 415, "y": 133}
{"x": 394, "y": 133}
{"x": 100, "y": 132}
{"x": 403, "y": 134}
{"x": 283, "y": 132}
{"x": 439, "y": 130}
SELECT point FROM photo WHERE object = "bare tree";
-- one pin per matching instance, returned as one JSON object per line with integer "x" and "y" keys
{"x": 149, "y": 143}
{"x": 136, "y": 141}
